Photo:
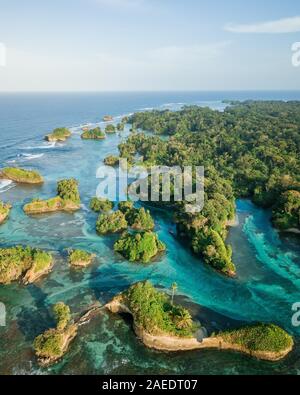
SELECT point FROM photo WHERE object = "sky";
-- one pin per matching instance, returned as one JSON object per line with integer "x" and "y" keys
{"x": 148, "y": 45}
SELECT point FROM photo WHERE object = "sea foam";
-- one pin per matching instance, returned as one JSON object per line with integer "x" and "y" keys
{"x": 5, "y": 185}
{"x": 44, "y": 146}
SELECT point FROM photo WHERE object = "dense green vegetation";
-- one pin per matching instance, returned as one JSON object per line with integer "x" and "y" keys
{"x": 59, "y": 134}
{"x": 259, "y": 337}
{"x": 4, "y": 210}
{"x": 214, "y": 251}
{"x": 155, "y": 313}
{"x": 125, "y": 206}
{"x": 94, "y": 134}
{"x": 68, "y": 190}
{"x": 139, "y": 247}
{"x": 121, "y": 126}
{"x": 101, "y": 204}
{"x": 249, "y": 150}
{"x": 139, "y": 219}
{"x": 22, "y": 175}
{"x": 80, "y": 258}
{"x": 111, "y": 223}
{"x": 53, "y": 343}
{"x": 62, "y": 315}
{"x": 110, "y": 128}
{"x": 67, "y": 198}
{"x": 111, "y": 160}
{"x": 16, "y": 261}
{"x": 41, "y": 261}
{"x": 286, "y": 213}
{"x": 49, "y": 344}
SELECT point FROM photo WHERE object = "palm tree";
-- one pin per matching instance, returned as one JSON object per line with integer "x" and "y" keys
{"x": 183, "y": 319}
{"x": 173, "y": 288}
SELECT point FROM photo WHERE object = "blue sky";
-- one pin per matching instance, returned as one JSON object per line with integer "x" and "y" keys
{"x": 98, "y": 45}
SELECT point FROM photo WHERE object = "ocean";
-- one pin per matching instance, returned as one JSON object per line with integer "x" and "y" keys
{"x": 268, "y": 264}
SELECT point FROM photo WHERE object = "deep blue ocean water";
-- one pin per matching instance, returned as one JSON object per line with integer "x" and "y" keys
{"x": 268, "y": 265}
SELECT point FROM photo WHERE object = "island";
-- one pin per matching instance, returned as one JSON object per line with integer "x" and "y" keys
{"x": 111, "y": 223}
{"x": 110, "y": 129}
{"x": 67, "y": 199}
{"x": 80, "y": 258}
{"x": 21, "y": 176}
{"x": 101, "y": 205}
{"x": 165, "y": 326}
{"x": 52, "y": 345}
{"x": 125, "y": 217}
{"x": 139, "y": 247}
{"x": 121, "y": 126}
{"x": 138, "y": 219}
{"x": 111, "y": 160}
{"x": 58, "y": 134}
{"x": 4, "y": 211}
{"x": 25, "y": 263}
{"x": 245, "y": 155}
{"x": 93, "y": 134}
{"x": 107, "y": 118}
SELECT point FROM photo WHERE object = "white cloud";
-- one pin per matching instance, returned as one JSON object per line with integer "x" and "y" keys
{"x": 286, "y": 25}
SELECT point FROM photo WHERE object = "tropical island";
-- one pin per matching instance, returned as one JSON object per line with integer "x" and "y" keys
{"x": 80, "y": 258}
{"x": 111, "y": 160}
{"x": 126, "y": 216}
{"x": 165, "y": 326}
{"x": 111, "y": 223}
{"x": 121, "y": 126}
{"x": 67, "y": 199}
{"x": 138, "y": 219}
{"x": 245, "y": 154}
{"x": 93, "y": 134}
{"x": 101, "y": 205}
{"x": 25, "y": 263}
{"x": 51, "y": 345}
{"x": 21, "y": 176}
{"x": 4, "y": 211}
{"x": 58, "y": 134}
{"x": 139, "y": 247}
{"x": 108, "y": 118}
{"x": 110, "y": 129}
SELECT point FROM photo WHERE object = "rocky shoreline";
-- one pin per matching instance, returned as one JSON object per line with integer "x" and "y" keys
{"x": 68, "y": 335}
{"x": 31, "y": 276}
{"x": 170, "y": 343}
{"x": 4, "y": 211}
{"x": 21, "y": 176}
{"x": 50, "y": 206}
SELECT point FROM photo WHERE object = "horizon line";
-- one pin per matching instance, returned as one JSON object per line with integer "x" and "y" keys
{"x": 153, "y": 91}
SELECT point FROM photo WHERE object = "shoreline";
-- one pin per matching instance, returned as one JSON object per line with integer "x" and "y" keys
{"x": 233, "y": 223}
{"x": 168, "y": 343}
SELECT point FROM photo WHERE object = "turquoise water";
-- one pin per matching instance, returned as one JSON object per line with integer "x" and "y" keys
{"x": 268, "y": 280}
